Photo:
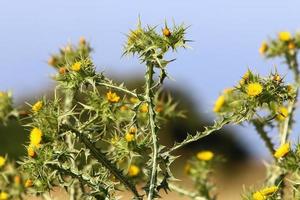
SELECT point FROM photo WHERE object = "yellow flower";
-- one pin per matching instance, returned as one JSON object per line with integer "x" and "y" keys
{"x": 285, "y": 36}
{"x": 82, "y": 40}
{"x": 166, "y": 32}
{"x": 2, "y": 161}
{"x": 17, "y": 180}
{"x": 219, "y": 103}
{"x": 133, "y": 170}
{"x": 76, "y": 66}
{"x": 205, "y": 155}
{"x": 36, "y": 137}
{"x": 134, "y": 36}
{"x": 30, "y": 151}
{"x": 134, "y": 100}
{"x": 63, "y": 70}
{"x": 263, "y": 48}
{"x": 112, "y": 97}
{"x": 124, "y": 108}
{"x": 37, "y": 106}
{"x": 245, "y": 77}
{"x": 291, "y": 46}
{"x": 28, "y": 183}
{"x": 254, "y": 89}
{"x": 3, "y": 196}
{"x": 129, "y": 137}
{"x": 187, "y": 168}
{"x": 282, "y": 113}
{"x": 52, "y": 61}
{"x": 282, "y": 150}
{"x": 144, "y": 108}
{"x": 264, "y": 193}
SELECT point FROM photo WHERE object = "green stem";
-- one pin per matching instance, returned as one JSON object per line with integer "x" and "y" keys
{"x": 122, "y": 89}
{"x": 185, "y": 192}
{"x": 208, "y": 130}
{"x": 149, "y": 96}
{"x": 68, "y": 103}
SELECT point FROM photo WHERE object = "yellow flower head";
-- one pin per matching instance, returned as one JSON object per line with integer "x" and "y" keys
{"x": 144, "y": 108}
{"x": 219, "y": 103}
{"x": 28, "y": 183}
{"x": 2, "y": 161}
{"x": 285, "y": 36}
{"x": 124, "y": 108}
{"x": 133, "y": 170}
{"x": 63, "y": 70}
{"x": 254, "y": 89}
{"x": 282, "y": 150}
{"x": 263, "y": 48}
{"x": 291, "y": 46}
{"x": 129, "y": 137}
{"x": 264, "y": 193}
{"x": 134, "y": 36}
{"x": 17, "y": 180}
{"x": 36, "y": 137}
{"x": 76, "y": 66}
{"x": 134, "y": 100}
{"x": 166, "y": 32}
{"x": 52, "y": 61}
{"x": 112, "y": 97}
{"x": 37, "y": 106}
{"x": 282, "y": 113}
{"x": 82, "y": 40}
{"x": 30, "y": 151}
{"x": 3, "y": 196}
{"x": 205, "y": 155}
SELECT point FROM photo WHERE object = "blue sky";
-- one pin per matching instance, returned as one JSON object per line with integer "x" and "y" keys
{"x": 226, "y": 34}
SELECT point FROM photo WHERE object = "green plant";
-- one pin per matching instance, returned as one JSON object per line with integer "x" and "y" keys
{"x": 96, "y": 137}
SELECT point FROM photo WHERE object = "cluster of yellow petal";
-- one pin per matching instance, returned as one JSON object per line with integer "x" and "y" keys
{"x": 112, "y": 97}
{"x": 37, "y": 106}
{"x": 144, "y": 108}
{"x": 133, "y": 170}
{"x": 28, "y": 183}
{"x": 205, "y": 155}
{"x": 282, "y": 113}
{"x": 285, "y": 36}
{"x": 219, "y": 103}
{"x": 282, "y": 150}
{"x": 263, "y": 48}
{"x": 2, "y": 161}
{"x": 254, "y": 89}
{"x": 3, "y": 196}
{"x": 264, "y": 193}
{"x": 76, "y": 66}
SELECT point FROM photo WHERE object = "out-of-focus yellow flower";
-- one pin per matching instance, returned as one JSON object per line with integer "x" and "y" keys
{"x": 291, "y": 46}
{"x": 282, "y": 150}
{"x": 254, "y": 89}
{"x": 129, "y": 137}
{"x": 264, "y": 193}
{"x": 144, "y": 108}
{"x": 166, "y": 32}
{"x": 2, "y": 161}
{"x": 28, "y": 183}
{"x": 63, "y": 70}
{"x": 245, "y": 78}
{"x": 82, "y": 40}
{"x": 219, "y": 103}
{"x": 30, "y": 151}
{"x": 124, "y": 108}
{"x": 36, "y": 137}
{"x": 285, "y": 36}
{"x": 52, "y": 61}
{"x": 263, "y": 48}
{"x": 37, "y": 106}
{"x": 134, "y": 36}
{"x": 282, "y": 113}
{"x": 134, "y": 100}
{"x": 205, "y": 155}
{"x": 76, "y": 66}
{"x": 3, "y": 196}
{"x": 133, "y": 170}
{"x": 187, "y": 168}
{"x": 112, "y": 97}
{"x": 17, "y": 180}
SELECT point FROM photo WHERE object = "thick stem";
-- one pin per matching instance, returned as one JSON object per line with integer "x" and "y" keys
{"x": 264, "y": 136}
{"x": 149, "y": 96}
{"x": 68, "y": 103}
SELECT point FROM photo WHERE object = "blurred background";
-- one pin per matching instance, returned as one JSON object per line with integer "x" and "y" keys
{"x": 226, "y": 36}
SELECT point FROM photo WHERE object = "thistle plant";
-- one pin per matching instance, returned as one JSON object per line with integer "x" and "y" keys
{"x": 96, "y": 137}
